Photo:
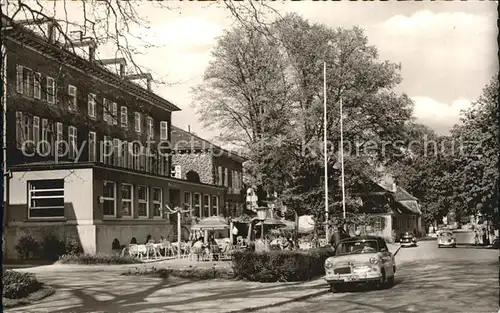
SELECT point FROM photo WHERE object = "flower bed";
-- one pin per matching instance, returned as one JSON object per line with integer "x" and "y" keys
{"x": 190, "y": 272}
{"x": 91, "y": 259}
{"x": 280, "y": 265}
{"x": 22, "y": 288}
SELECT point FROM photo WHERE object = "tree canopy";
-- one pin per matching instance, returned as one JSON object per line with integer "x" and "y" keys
{"x": 266, "y": 94}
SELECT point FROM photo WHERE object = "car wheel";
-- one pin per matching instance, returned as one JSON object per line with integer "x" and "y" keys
{"x": 390, "y": 282}
{"x": 439, "y": 246}
{"x": 335, "y": 288}
{"x": 383, "y": 281}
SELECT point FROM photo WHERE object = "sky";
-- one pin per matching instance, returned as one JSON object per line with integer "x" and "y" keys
{"x": 448, "y": 50}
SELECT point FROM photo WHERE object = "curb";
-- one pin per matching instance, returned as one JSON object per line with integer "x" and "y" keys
{"x": 296, "y": 299}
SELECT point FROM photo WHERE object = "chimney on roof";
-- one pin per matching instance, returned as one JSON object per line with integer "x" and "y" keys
{"x": 121, "y": 61}
{"x": 189, "y": 128}
{"x": 84, "y": 42}
{"x": 50, "y": 31}
{"x": 146, "y": 76}
{"x": 50, "y": 25}
{"x": 76, "y": 35}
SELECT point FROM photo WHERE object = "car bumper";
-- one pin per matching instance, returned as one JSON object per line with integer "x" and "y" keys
{"x": 447, "y": 244}
{"x": 353, "y": 278}
{"x": 408, "y": 244}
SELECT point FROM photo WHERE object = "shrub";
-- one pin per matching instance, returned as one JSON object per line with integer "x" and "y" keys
{"x": 19, "y": 285}
{"x": 28, "y": 248}
{"x": 90, "y": 259}
{"x": 190, "y": 272}
{"x": 52, "y": 248}
{"x": 280, "y": 265}
{"x": 73, "y": 246}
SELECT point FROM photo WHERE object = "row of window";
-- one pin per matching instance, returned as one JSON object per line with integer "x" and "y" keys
{"x": 222, "y": 179}
{"x": 127, "y": 196}
{"x": 46, "y": 200}
{"x": 29, "y": 84}
{"x": 409, "y": 222}
{"x": 40, "y": 135}
{"x": 202, "y": 207}
{"x": 36, "y": 135}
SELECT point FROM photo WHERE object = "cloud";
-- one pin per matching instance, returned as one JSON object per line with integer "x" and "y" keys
{"x": 439, "y": 116}
{"x": 429, "y": 24}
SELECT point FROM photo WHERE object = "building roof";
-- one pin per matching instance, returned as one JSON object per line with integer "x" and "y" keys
{"x": 403, "y": 195}
{"x": 20, "y": 34}
{"x": 185, "y": 141}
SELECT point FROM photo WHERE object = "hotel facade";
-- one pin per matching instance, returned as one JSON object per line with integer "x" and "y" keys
{"x": 89, "y": 153}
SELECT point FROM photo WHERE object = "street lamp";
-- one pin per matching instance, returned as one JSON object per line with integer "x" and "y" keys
{"x": 179, "y": 211}
{"x": 262, "y": 215}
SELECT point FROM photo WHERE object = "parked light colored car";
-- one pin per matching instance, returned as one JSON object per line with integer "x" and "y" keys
{"x": 364, "y": 259}
{"x": 446, "y": 239}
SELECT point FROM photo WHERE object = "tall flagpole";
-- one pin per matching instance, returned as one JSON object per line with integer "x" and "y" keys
{"x": 325, "y": 151}
{"x": 342, "y": 159}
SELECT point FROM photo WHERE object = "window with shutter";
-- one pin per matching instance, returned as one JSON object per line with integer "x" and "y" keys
{"x": 51, "y": 90}
{"x": 150, "y": 127}
{"x": 37, "y": 90}
{"x": 137, "y": 122}
{"x": 124, "y": 153}
{"x": 72, "y": 104}
{"x": 115, "y": 113}
{"x": 44, "y": 147}
{"x": 124, "y": 116}
{"x": 72, "y": 142}
{"x": 19, "y": 130}
{"x": 91, "y": 105}
{"x": 19, "y": 79}
{"x": 163, "y": 130}
{"x": 28, "y": 82}
{"x": 116, "y": 151}
{"x": 92, "y": 147}
{"x": 178, "y": 173}
{"x": 221, "y": 176}
{"x": 36, "y": 130}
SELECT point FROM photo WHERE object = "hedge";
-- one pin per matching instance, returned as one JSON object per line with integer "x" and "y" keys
{"x": 92, "y": 259}
{"x": 280, "y": 265}
{"x": 190, "y": 272}
{"x": 18, "y": 285}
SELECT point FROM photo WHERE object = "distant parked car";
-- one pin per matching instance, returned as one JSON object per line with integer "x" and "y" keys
{"x": 363, "y": 259}
{"x": 446, "y": 239}
{"x": 408, "y": 240}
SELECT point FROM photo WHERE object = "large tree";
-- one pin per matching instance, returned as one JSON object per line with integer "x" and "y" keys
{"x": 476, "y": 177}
{"x": 459, "y": 171}
{"x": 287, "y": 60}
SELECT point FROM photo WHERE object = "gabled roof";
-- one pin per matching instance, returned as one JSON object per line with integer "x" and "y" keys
{"x": 411, "y": 205}
{"x": 185, "y": 141}
{"x": 403, "y": 195}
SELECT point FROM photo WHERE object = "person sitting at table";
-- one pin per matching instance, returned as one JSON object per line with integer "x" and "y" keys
{"x": 198, "y": 248}
{"x": 149, "y": 240}
{"x": 214, "y": 248}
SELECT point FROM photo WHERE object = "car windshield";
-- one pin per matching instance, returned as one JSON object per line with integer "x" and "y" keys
{"x": 357, "y": 247}
{"x": 446, "y": 234}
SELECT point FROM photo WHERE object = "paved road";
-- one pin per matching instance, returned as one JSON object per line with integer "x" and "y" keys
{"x": 438, "y": 280}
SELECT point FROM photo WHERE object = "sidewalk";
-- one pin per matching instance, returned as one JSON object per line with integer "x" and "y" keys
{"x": 105, "y": 291}
{"x": 101, "y": 288}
